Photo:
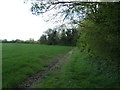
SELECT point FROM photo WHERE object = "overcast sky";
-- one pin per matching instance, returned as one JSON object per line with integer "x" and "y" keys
{"x": 17, "y": 22}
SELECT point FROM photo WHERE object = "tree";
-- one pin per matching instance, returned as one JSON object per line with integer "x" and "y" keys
{"x": 17, "y": 40}
{"x": 100, "y": 32}
{"x": 50, "y": 37}
{"x": 73, "y": 11}
{"x": 4, "y": 41}
{"x": 43, "y": 39}
{"x": 63, "y": 38}
{"x": 60, "y": 36}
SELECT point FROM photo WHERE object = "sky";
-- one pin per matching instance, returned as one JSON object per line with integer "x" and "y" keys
{"x": 17, "y": 21}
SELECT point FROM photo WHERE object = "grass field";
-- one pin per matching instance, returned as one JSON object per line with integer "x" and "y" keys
{"x": 78, "y": 72}
{"x": 22, "y": 60}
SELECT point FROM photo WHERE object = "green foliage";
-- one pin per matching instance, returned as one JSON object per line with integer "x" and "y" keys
{"x": 64, "y": 37}
{"x": 19, "y": 61}
{"x": 43, "y": 39}
{"x": 100, "y": 37}
{"x": 100, "y": 33}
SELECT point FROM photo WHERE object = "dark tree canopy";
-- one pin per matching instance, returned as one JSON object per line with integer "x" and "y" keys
{"x": 60, "y": 36}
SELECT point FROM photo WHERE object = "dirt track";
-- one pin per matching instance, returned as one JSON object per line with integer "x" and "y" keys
{"x": 30, "y": 81}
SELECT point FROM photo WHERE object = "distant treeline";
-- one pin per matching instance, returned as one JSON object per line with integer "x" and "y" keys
{"x": 20, "y": 41}
{"x": 57, "y": 36}
{"x": 60, "y": 36}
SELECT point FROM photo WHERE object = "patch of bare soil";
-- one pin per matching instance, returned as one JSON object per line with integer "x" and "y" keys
{"x": 30, "y": 81}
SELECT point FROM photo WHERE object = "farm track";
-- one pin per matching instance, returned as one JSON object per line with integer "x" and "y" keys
{"x": 32, "y": 80}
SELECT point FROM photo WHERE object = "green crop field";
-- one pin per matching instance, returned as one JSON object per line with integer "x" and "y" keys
{"x": 22, "y": 60}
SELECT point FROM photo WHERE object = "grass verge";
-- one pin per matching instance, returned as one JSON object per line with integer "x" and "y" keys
{"x": 78, "y": 72}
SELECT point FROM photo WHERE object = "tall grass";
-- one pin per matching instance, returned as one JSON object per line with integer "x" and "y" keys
{"x": 79, "y": 72}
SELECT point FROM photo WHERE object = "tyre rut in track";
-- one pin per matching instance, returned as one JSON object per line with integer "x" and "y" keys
{"x": 30, "y": 81}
